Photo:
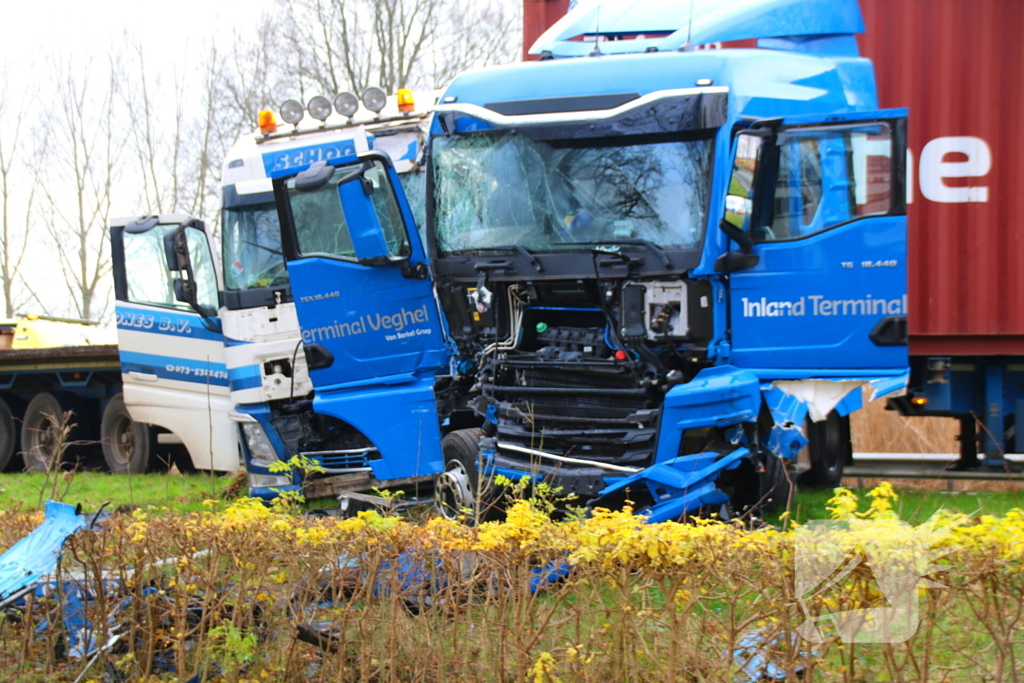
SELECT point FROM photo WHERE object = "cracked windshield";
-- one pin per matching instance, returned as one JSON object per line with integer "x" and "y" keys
{"x": 497, "y": 190}
{"x": 252, "y": 247}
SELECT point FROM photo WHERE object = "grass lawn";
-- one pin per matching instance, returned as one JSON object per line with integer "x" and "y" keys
{"x": 913, "y": 506}
{"x": 186, "y": 493}
{"x": 181, "y": 493}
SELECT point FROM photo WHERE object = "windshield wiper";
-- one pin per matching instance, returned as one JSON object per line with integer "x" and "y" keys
{"x": 265, "y": 247}
{"x": 511, "y": 247}
{"x": 647, "y": 244}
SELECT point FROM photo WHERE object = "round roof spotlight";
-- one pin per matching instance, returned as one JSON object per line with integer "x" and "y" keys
{"x": 374, "y": 99}
{"x": 292, "y": 111}
{"x": 347, "y": 104}
{"x": 319, "y": 108}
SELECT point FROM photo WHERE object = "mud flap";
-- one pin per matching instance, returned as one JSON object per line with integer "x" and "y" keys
{"x": 674, "y": 488}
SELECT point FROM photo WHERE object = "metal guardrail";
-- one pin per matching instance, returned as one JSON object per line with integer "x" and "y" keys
{"x": 937, "y": 466}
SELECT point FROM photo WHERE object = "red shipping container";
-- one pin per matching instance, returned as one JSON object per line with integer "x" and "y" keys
{"x": 958, "y": 65}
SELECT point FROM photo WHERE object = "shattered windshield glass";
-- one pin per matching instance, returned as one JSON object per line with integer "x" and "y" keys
{"x": 414, "y": 184}
{"x": 252, "y": 246}
{"x": 494, "y": 190}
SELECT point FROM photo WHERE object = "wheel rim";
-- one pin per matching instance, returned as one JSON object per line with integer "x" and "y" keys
{"x": 454, "y": 494}
{"x": 44, "y": 441}
{"x": 122, "y": 440}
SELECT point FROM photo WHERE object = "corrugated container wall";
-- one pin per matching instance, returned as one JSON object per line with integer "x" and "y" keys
{"x": 958, "y": 65}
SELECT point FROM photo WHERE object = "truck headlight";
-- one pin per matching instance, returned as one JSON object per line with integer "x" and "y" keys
{"x": 268, "y": 481}
{"x": 319, "y": 108}
{"x": 261, "y": 451}
{"x": 347, "y": 104}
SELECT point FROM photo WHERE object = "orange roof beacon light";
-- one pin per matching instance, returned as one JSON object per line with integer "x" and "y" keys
{"x": 268, "y": 124}
{"x": 406, "y": 103}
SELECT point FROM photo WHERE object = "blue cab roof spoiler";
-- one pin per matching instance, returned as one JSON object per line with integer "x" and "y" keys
{"x": 711, "y": 21}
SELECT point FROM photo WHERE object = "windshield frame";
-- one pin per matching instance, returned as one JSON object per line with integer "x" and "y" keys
{"x": 681, "y": 259}
{"x": 408, "y": 233}
{"x": 255, "y": 297}
{"x": 268, "y": 206}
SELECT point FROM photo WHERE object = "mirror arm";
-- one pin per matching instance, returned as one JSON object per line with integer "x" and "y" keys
{"x": 737, "y": 235}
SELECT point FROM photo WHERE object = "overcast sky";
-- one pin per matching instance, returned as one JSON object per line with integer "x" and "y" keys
{"x": 30, "y": 31}
{"x": 35, "y": 34}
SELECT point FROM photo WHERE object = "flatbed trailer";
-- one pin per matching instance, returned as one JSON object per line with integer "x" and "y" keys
{"x": 37, "y": 382}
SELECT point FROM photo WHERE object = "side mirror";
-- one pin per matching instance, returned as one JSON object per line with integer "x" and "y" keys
{"x": 186, "y": 287}
{"x": 317, "y": 175}
{"x": 314, "y": 177}
{"x": 739, "y": 204}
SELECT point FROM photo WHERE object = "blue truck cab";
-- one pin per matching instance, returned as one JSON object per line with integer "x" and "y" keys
{"x": 644, "y": 265}
{"x": 212, "y": 354}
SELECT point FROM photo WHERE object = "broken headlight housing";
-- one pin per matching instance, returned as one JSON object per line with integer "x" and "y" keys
{"x": 261, "y": 451}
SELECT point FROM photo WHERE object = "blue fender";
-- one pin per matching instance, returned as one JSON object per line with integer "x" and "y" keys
{"x": 32, "y": 558}
{"x": 721, "y": 396}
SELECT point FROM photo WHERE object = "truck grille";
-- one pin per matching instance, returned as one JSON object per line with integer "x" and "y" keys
{"x": 587, "y": 410}
{"x": 340, "y": 460}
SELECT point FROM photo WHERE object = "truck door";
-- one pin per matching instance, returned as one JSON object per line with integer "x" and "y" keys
{"x": 370, "y": 325}
{"x": 172, "y": 359}
{"x": 818, "y": 286}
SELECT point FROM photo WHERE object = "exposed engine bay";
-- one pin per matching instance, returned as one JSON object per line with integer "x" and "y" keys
{"x": 573, "y": 374}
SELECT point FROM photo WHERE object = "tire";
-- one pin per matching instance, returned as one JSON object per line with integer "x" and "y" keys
{"x": 126, "y": 443}
{"x": 829, "y": 448}
{"x": 9, "y": 438}
{"x": 41, "y": 433}
{"x": 458, "y": 486}
{"x": 775, "y": 485}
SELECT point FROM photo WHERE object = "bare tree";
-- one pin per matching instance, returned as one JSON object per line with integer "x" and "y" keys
{"x": 235, "y": 83}
{"x": 83, "y": 144}
{"x": 336, "y": 45}
{"x": 155, "y": 130}
{"x": 179, "y": 147}
{"x": 473, "y": 34}
{"x": 13, "y": 235}
{"x": 254, "y": 75}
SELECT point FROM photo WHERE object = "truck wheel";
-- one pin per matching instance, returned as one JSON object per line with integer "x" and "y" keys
{"x": 829, "y": 447}
{"x": 42, "y": 436}
{"x": 776, "y": 484}
{"x": 126, "y": 443}
{"x": 459, "y": 485}
{"x": 8, "y": 437}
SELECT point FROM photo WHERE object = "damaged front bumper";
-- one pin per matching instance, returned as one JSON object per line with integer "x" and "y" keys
{"x": 679, "y": 484}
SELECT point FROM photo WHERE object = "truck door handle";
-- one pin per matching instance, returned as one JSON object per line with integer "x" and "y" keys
{"x": 143, "y": 376}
